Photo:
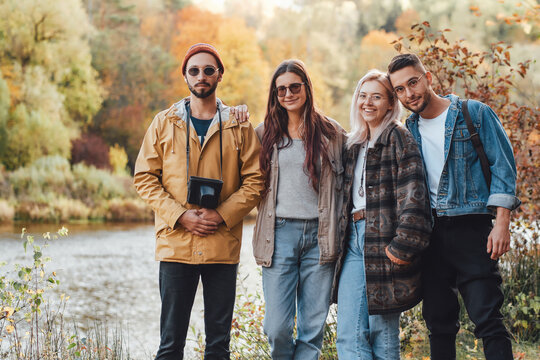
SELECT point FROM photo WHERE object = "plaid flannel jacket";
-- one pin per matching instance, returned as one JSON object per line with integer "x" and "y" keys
{"x": 397, "y": 216}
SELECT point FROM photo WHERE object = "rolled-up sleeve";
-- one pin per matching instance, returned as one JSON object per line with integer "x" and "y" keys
{"x": 501, "y": 160}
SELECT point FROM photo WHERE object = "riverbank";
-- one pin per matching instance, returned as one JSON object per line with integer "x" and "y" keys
{"x": 50, "y": 190}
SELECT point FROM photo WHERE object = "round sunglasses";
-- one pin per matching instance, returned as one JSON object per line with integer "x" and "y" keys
{"x": 207, "y": 70}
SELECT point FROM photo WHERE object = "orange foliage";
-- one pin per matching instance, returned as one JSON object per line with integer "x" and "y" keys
{"x": 246, "y": 72}
{"x": 406, "y": 20}
{"x": 376, "y": 50}
{"x": 193, "y": 25}
{"x": 279, "y": 49}
{"x": 7, "y": 73}
{"x": 379, "y": 38}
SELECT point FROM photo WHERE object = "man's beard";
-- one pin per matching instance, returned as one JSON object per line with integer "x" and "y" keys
{"x": 204, "y": 93}
{"x": 426, "y": 98}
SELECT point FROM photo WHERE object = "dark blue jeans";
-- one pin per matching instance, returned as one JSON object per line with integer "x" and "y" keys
{"x": 456, "y": 260}
{"x": 178, "y": 284}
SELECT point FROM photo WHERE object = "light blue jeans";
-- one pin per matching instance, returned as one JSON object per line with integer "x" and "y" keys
{"x": 296, "y": 284}
{"x": 361, "y": 336}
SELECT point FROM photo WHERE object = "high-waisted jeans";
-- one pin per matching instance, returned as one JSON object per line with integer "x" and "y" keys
{"x": 362, "y": 336}
{"x": 296, "y": 284}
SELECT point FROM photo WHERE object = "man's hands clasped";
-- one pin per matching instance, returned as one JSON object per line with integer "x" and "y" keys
{"x": 201, "y": 222}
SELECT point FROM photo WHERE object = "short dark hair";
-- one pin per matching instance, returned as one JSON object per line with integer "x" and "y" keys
{"x": 403, "y": 60}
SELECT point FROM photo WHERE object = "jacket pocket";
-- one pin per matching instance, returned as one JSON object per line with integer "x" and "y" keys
{"x": 461, "y": 143}
{"x": 405, "y": 282}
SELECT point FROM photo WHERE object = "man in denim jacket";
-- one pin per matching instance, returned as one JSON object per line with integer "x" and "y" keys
{"x": 465, "y": 245}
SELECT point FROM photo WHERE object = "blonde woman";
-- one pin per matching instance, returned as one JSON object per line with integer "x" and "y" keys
{"x": 386, "y": 225}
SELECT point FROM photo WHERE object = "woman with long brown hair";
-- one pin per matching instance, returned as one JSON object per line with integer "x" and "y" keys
{"x": 296, "y": 233}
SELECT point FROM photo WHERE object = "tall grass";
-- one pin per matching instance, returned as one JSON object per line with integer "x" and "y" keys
{"x": 32, "y": 324}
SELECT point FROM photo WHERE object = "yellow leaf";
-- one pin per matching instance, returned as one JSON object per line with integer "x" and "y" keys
{"x": 10, "y": 329}
{"x": 7, "y": 310}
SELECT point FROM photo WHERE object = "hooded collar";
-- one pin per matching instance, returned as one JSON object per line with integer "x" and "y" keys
{"x": 179, "y": 109}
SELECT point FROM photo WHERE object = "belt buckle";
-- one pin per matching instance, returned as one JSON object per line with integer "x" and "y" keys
{"x": 359, "y": 215}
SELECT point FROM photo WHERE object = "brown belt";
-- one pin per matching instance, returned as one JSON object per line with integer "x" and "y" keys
{"x": 359, "y": 215}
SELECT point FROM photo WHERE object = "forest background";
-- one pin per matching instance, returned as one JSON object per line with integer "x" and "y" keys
{"x": 80, "y": 81}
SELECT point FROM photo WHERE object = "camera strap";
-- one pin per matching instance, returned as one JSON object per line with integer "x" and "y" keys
{"x": 188, "y": 121}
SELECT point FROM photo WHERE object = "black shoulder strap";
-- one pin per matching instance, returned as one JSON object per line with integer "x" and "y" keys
{"x": 475, "y": 139}
{"x": 188, "y": 121}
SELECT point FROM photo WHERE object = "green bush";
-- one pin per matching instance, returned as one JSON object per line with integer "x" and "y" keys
{"x": 520, "y": 269}
{"x": 5, "y": 189}
{"x": 43, "y": 180}
{"x": 51, "y": 190}
{"x": 523, "y": 315}
{"x": 92, "y": 184}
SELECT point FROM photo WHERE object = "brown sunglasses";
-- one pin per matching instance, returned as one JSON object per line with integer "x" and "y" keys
{"x": 294, "y": 88}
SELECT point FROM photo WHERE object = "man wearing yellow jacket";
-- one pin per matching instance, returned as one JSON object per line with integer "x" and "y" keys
{"x": 192, "y": 241}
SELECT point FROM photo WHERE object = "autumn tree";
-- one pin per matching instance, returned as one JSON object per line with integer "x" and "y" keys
{"x": 133, "y": 67}
{"x": 51, "y": 85}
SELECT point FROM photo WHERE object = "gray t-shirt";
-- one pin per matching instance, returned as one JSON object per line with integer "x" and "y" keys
{"x": 296, "y": 197}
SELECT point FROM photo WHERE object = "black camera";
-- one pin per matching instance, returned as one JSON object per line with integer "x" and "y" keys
{"x": 204, "y": 191}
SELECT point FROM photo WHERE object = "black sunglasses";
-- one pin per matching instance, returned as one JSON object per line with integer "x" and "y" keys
{"x": 294, "y": 88}
{"x": 207, "y": 70}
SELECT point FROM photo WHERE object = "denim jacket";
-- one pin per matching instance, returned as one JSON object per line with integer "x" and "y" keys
{"x": 462, "y": 187}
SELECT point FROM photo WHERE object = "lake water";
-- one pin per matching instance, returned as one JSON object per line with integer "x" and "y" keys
{"x": 110, "y": 274}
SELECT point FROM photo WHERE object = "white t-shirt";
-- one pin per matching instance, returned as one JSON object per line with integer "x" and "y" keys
{"x": 359, "y": 202}
{"x": 432, "y": 134}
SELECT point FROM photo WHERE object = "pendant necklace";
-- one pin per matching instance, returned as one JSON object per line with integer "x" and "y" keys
{"x": 361, "y": 189}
